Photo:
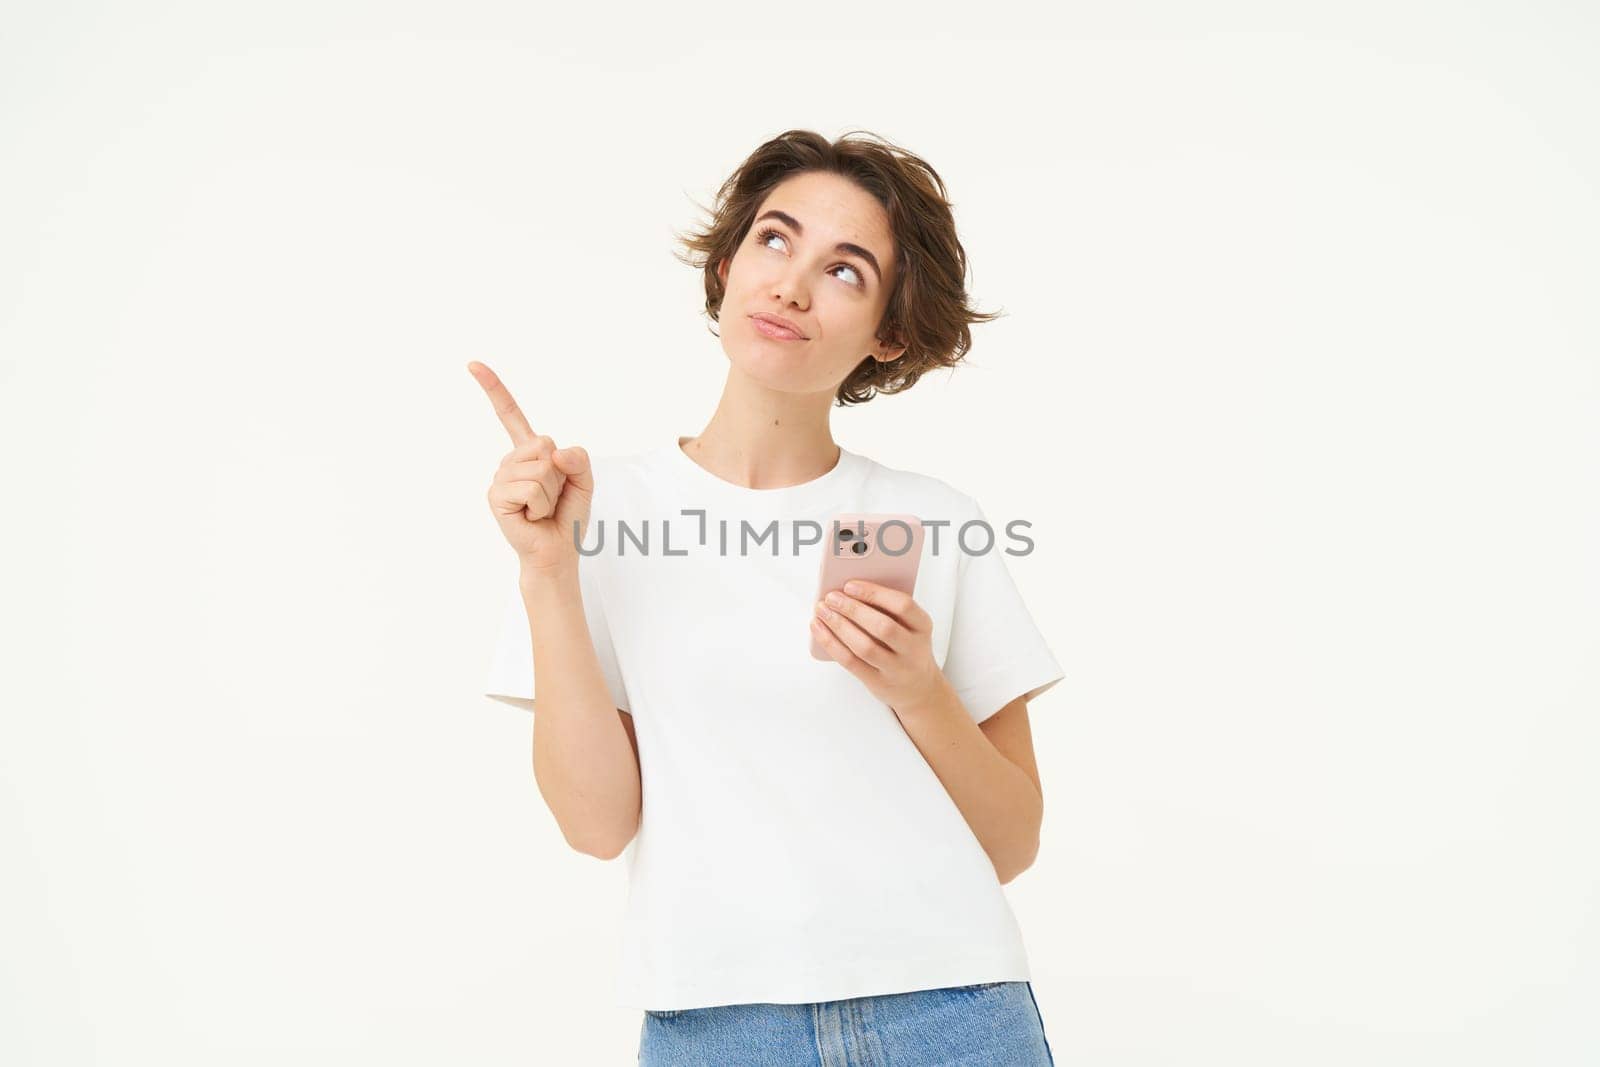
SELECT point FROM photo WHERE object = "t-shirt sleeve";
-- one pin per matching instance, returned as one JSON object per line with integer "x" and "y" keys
{"x": 510, "y": 677}
{"x": 997, "y": 653}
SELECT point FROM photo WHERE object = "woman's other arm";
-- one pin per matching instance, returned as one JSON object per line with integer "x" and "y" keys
{"x": 989, "y": 770}
{"x": 883, "y": 637}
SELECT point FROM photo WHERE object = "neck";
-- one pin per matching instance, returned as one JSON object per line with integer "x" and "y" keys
{"x": 762, "y": 438}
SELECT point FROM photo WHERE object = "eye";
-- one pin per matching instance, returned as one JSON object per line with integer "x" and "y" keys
{"x": 763, "y": 236}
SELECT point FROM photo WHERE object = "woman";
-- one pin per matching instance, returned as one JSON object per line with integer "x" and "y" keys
{"x": 818, "y": 844}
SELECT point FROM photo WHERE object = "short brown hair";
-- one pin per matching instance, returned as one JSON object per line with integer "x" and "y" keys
{"x": 927, "y": 310}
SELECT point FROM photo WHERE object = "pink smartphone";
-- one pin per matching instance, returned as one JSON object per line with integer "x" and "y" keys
{"x": 884, "y": 547}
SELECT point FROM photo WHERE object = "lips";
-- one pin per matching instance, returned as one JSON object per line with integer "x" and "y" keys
{"x": 778, "y": 326}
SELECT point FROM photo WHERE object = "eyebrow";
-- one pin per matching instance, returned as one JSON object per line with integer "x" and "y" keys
{"x": 843, "y": 246}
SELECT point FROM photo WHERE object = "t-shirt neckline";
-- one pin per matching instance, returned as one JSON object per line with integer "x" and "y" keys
{"x": 821, "y": 489}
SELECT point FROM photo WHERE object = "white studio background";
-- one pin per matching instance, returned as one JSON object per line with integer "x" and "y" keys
{"x": 1297, "y": 384}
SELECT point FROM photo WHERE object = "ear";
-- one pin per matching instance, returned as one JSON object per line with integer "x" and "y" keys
{"x": 889, "y": 353}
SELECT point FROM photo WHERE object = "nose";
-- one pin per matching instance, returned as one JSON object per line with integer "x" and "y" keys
{"x": 789, "y": 287}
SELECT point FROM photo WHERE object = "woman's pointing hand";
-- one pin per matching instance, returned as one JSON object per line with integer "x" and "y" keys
{"x": 539, "y": 492}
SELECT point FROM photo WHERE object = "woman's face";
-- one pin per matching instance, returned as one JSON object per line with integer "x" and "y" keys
{"x": 791, "y": 265}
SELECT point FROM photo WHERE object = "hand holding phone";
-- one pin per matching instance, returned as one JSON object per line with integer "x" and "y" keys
{"x": 882, "y": 547}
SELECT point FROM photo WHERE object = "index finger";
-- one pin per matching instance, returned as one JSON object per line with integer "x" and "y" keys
{"x": 511, "y": 416}
{"x": 898, "y": 605}
{"x": 878, "y": 595}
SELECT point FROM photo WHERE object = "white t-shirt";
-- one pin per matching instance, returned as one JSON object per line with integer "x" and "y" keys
{"x": 794, "y": 845}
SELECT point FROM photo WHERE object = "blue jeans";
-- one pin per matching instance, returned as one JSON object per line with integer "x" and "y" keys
{"x": 993, "y": 1024}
